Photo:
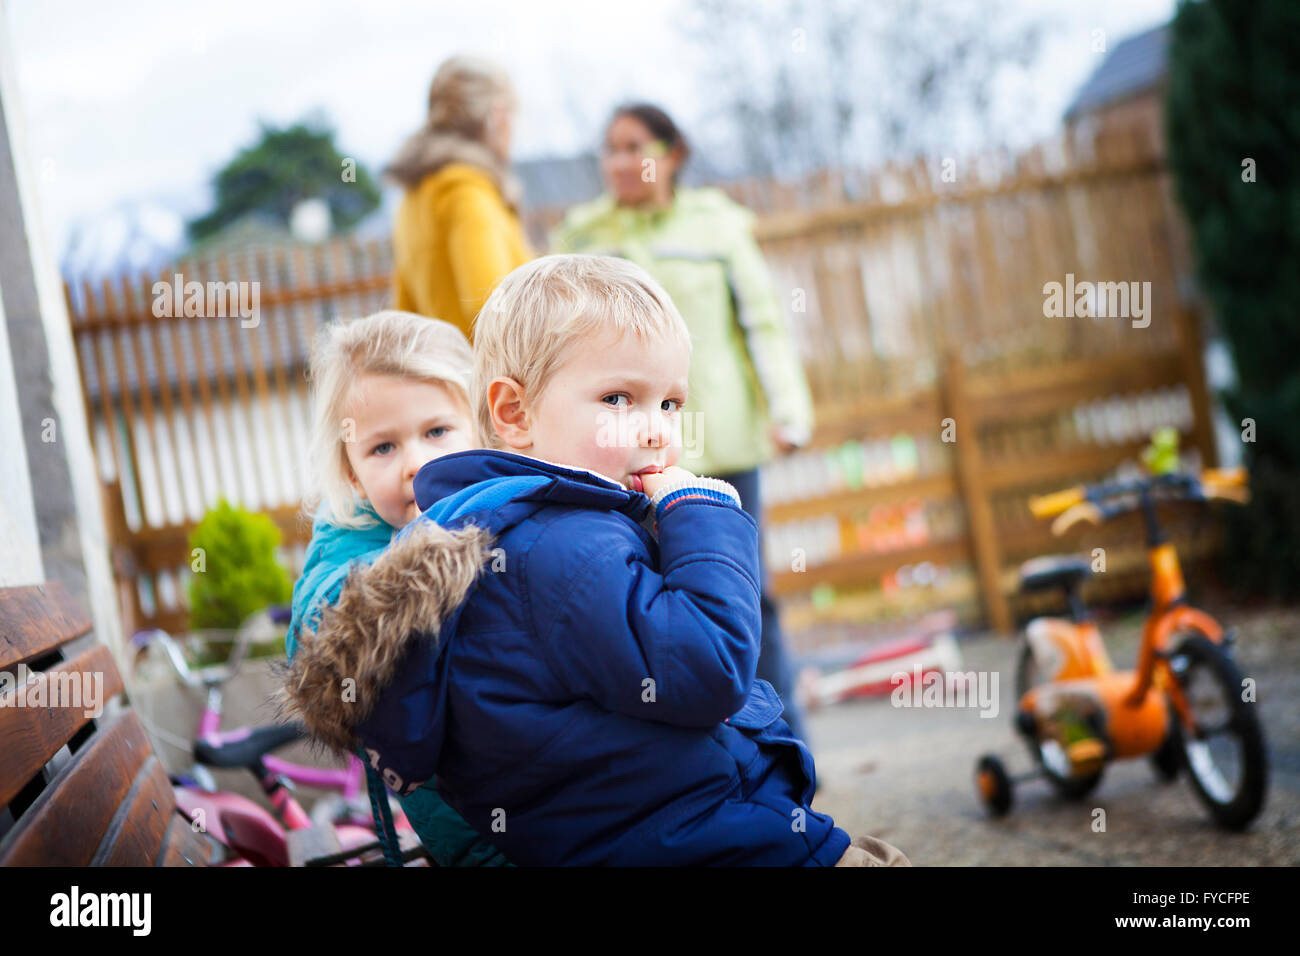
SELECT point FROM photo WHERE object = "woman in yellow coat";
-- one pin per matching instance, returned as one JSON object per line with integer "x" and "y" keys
{"x": 457, "y": 230}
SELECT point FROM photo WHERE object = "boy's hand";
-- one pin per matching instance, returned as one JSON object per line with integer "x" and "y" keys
{"x": 653, "y": 482}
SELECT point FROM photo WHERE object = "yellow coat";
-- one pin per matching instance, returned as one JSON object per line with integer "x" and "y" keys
{"x": 453, "y": 239}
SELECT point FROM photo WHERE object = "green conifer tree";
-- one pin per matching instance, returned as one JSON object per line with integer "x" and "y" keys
{"x": 1233, "y": 122}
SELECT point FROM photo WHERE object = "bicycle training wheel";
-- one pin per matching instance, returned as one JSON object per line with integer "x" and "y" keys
{"x": 1046, "y": 753}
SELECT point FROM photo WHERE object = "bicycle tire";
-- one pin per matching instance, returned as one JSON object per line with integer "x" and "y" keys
{"x": 1234, "y": 812}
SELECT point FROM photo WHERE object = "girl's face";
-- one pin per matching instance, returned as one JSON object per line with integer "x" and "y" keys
{"x": 637, "y": 169}
{"x": 393, "y": 426}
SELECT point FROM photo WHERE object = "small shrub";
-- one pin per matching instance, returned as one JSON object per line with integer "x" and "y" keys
{"x": 239, "y": 573}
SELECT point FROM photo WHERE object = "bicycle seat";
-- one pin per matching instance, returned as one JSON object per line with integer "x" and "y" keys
{"x": 1052, "y": 571}
{"x": 243, "y": 748}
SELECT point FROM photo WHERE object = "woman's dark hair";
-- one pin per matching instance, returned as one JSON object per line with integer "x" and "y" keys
{"x": 660, "y": 125}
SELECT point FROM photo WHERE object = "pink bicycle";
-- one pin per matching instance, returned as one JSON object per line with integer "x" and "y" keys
{"x": 248, "y": 834}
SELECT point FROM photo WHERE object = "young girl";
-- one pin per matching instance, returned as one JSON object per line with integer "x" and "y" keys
{"x": 389, "y": 393}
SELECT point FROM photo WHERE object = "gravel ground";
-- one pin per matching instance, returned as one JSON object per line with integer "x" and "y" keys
{"x": 906, "y": 774}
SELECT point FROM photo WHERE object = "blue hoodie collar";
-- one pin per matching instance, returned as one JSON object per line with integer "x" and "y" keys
{"x": 332, "y": 551}
{"x": 493, "y": 484}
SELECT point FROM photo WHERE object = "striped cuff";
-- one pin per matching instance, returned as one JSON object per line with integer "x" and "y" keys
{"x": 696, "y": 489}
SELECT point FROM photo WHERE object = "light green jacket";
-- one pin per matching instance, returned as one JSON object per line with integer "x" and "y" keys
{"x": 745, "y": 368}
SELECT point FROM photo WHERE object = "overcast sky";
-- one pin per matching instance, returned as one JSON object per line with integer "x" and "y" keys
{"x": 141, "y": 101}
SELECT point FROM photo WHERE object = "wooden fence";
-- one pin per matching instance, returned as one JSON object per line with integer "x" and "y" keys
{"x": 944, "y": 393}
{"x": 187, "y": 409}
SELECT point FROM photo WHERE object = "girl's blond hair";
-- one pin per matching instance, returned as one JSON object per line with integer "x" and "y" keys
{"x": 461, "y": 98}
{"x": 539, "y": 310}
{"x": 385, "y": 343}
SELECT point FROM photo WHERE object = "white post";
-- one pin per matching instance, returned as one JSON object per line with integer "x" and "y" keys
{"x": 60, "y": 457}
{"x": 20, "y": 549}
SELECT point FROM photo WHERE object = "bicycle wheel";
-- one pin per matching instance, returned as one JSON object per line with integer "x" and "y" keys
{"x": 1167, "y": 761}
{"x": 1046, "y": 753}
{"x": 1225, "y": 755}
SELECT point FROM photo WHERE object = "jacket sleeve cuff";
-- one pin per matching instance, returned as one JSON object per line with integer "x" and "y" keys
{"x": 696, "y": 489}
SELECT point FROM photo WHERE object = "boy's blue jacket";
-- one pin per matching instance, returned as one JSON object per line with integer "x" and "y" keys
{"x": 582, "y": 692}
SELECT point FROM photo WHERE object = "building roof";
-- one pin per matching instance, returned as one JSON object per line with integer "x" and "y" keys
{"x": 559, "y": 180}
{"x": 1136, "y": 64}
{"x": 556, "y": 181}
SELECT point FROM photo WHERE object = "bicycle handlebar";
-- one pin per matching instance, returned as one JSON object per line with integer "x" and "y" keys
{"x": 144, "y": 638}
{"x": 1106, "y": 500}
{"x": 1083, "y": 511}
{"x": 217, "y": 674}
{"x": 1045, "y": 506}
{"x": 1226, "y": 484}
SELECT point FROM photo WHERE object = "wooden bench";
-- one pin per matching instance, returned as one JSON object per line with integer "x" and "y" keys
{"x": 77, "y": 788}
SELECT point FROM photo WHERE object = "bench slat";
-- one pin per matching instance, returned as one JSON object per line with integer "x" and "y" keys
{"x": 182, "y": 845}
{"x": 136, "y": 834}
{"x": 68, "y": 821}
{"x": 112, "y": 804}
{"x": 35, "y": 620}
{"x": 30, "y": 736}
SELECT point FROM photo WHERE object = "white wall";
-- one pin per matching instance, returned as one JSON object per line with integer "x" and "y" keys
{"x": 66, "y": 392}
{"x": 20, "y": 549}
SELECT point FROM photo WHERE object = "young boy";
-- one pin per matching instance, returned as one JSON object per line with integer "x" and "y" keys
{"x": 570, "y": 630}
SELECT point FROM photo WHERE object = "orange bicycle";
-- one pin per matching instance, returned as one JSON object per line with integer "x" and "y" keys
{"x": 1185, "y": 705}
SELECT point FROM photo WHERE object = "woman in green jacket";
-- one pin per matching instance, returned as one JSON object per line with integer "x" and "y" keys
{"x": 748, "y": 395}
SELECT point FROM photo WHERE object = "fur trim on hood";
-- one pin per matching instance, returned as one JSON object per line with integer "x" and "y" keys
{"x": 406, "y": 594}
{"x": 428, "y": 150}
